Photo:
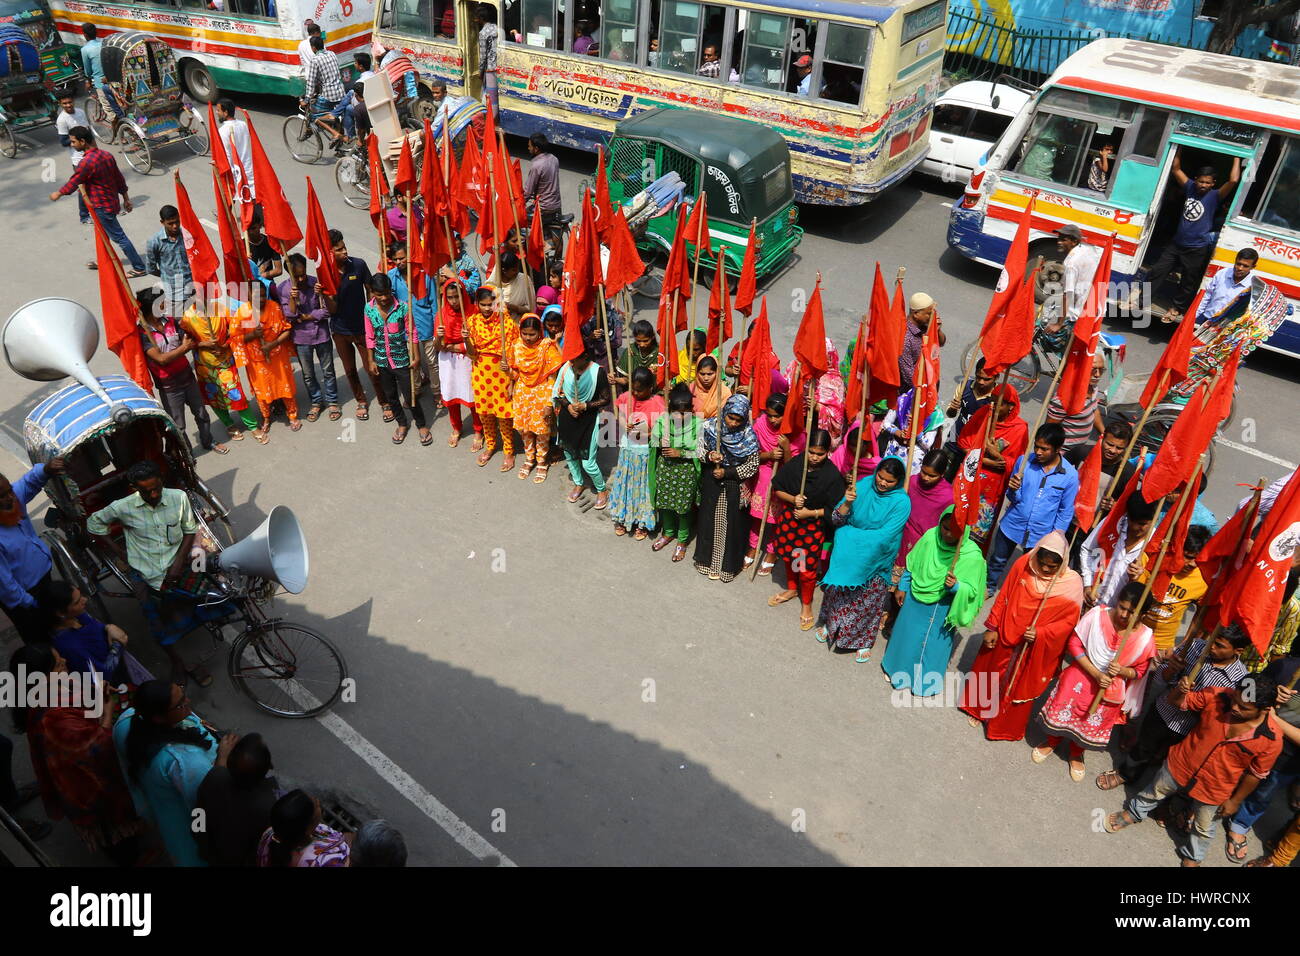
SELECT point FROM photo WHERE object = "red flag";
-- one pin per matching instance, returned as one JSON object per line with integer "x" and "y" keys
{"x": 279, "y": 222}
{"x": 625, "y": 265}
{"x": 746, "y": 288}
{"x": 1225, "y": 553}
{"x": 720, "y": 306}
{"x": 219, "y": 157}
{"x": 1192, "y": 432}
{"x": 404, "y": 179}
{"x": 318, "y": 247}
{"x": 666, "y": 370}
{"x": 966, "y": 491}
{"x": 246, "y": 206}
{"x": 927, "y": 372}
{"x": 573, "y": 316}
{"x": 198, "y": 248}
{"x": 1173, "y": 561}
{"x": 1076, "y": 377}
{"x": 795, "y": 418}
{"x": 469, "y": 181}
{"x": 677, "y": 273}
{"x": 604, "y": 212}
{"x": 857, "y": 383}
{"x": 755, "y": 363}
{"x": 517, "y": 192}
{"x": 1013, "y": 270}
{"x": 535, "y": 250}
{"x": 810, "y": 340}
{"x": 1085, "y": 501}
{"x": 1011, "y": 336}
{"x": 579, "y": 298}
{"x": 1253, "y": 597}
{"x": 234, "y": 260}
{"x": 1174, "y": 359}
{"x": 457, "y": 210}
{"x": 1108, "y": 533}
{"x": 884, "y": 344}
{"x": 697, "y": 228}
{"x": 120, "y": 309}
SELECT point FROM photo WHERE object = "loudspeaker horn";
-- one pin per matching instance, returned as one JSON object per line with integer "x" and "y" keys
{"x": 277, "y": 551}
{"x": 52, "y": 338}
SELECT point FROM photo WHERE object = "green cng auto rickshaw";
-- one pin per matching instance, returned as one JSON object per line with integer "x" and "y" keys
{"x": 742, "y": 167}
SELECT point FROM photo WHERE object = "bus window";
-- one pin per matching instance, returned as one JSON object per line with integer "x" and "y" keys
{"x": 1281, "y": 205}
{"x": 1055, "y": 148}
{"x": 844, "y": 63}
{"x": 411, "y": 16}
{"x": 532, "y": 23}
{"x": 1150, "y": 136}
{"x": 762, "y": 61}
{"x": 690, "y": 37}
{"x": 619, "y": 29}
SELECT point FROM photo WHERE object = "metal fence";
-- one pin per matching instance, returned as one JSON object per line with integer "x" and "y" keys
{"x": 980, "y": 49}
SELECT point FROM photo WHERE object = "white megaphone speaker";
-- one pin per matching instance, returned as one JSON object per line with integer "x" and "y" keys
{"x": 277, "y": 551}
{"x": 49, "y": 339}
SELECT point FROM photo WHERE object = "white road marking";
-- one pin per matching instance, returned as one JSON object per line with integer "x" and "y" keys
{"x": 400, "y": 780}
{"x": 1237, "y": 446}
{"x": 946, "y": 205}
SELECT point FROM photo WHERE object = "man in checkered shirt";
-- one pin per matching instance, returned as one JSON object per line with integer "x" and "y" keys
{"x": 323, "y": 76}
{"x": 103, "y": 181}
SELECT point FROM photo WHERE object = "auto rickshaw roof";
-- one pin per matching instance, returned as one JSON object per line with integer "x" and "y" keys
{"x": 120, "y": 45}
{"x": 74, "y": 414}
{"x": 721, "y": 140}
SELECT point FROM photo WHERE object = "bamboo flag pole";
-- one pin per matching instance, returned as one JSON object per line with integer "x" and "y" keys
{"x": 767, "y": 500}
{"x": 1136, "y": 613}
{"x": 501, "y": 306}
{"x": 695, "y": 276}
{"x": 808, "y": 415}
{"x": 609, "y": 350}
{"x": 519, "y": 232}
{"x": 1137, "y": 432}
{"x": 412, "y": 337}
{"x": 994, "y": 411}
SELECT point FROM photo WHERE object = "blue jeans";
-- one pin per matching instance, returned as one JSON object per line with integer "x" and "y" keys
{"x": 113, "y": 229}
{"x": 343, "y": 113}
{"x": 1253, "y": 807}
{"x": 1203, "y": 821}
{"x": 324, "y": 353}
{"x": 999, "y": 558}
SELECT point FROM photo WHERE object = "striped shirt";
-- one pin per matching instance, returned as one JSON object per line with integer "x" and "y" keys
{"x": 153, "y": 533}
{"x": 1210, "y": 675}
{"x": 1078, "y": 428}
{"x": 323, "y": 76}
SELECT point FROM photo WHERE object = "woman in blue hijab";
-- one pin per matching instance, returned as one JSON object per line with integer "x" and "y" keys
{"x": 868, "y": 529}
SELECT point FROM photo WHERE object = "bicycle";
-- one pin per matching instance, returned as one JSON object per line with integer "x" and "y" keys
{"x": 352, "y": 176}
{"x": 1045, "y": 358}
{"x": 302, "y": 133}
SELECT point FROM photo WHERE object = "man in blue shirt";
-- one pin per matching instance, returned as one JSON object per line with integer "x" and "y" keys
{"x": 24, "y": 558}
{"x": 1039, "y": 500}
{"x": 1189, "y": 251}
{"x": 423, "y": 311}
{"x": 91, "y": 61}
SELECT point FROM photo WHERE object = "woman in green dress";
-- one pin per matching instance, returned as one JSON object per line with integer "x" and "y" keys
{"x": 675, "y": 471}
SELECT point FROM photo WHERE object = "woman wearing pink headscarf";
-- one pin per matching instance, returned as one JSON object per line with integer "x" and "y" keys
{"x": 830, "y": 394}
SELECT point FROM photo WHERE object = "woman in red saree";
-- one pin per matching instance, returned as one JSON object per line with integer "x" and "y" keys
{"x": 1015, "y": 621}
{"x": 1007, "y": 441}
{"x": 75, "y": 763}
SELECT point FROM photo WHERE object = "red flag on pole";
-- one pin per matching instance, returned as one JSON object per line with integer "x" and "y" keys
{"x": 234, "y": 258}
{"x": 1174, "y": 359}
{"x": 219, "y": 157}
{"x": 795, "y": 417}
{"x": 1192, "y": 432}
{"x": 1253, "y": 596}
{"x": 666, "y": 370}
{"x": 1174, "y": 553}
{"x": 1076, "y": 377}
{"x": 697, "y": 227}
{"x": 471, "y": 177}
{"x": 318, "y": 247}
{"x": 604, "y": 211}
{"x": 1085, "y": 501}
{"x": 574, "y": 260}
{"x": 810, "y": 340}
{"x": 677, "y": 273}
{"x": 1014, "y": 268}
{"x": 535, "y": 250}
{"x": 404, "y": 179}
{"x": 927, "y": 399}
{"x": 1108, "y": 532}
{"x": 720, "y": 306}
{"x": 625, "y": 265}
{"x": 1011, "y": 335}
{"x": 120, "y": 308}
{"x": 1229, "y": 545}
{"x": 748, "y": 284}
{"x": 756, "y": 363}
{"x": 966, "y": 491}
{"x": 857, "y": 383}
{"x": 279, "y": 222}
{"x": 457, "y": 210}
{"x": 884, "y": 344}
{"x": 198, "y": 248}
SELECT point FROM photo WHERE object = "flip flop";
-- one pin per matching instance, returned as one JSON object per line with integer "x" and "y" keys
{"x": 640, "y": 534}
{"x": 313, "y": 413}
{"x": 388, "y": 413}
{"x": 335, "y": 413}
{"x": 620, "y": 530}
{"x": 138, "y": 274}
{"x": 262, "y": 437}
{"x": 507, "y": 464}
{"x": 1118, "y": 821}
{"x": 220, "y": 449}
{"x": 362, "y": 413}
{"x": 404, "y": 432}
{"x": 822, "y": 636}
{"x": 679, "y": 553}
{"x": 602, "y": 501}
{"x": 778, "y": 599}
{"x": 1242, "y": 849}
{"x": 453, "y": 439}
{"x": 807, "y": 623}
{"x": 426, "y": 438}
{"x": 766, "y": 568}
{"x": 863, "y": 658}
{"x": 575, "y": 494}
{"x": 659, "y": 543}
{"x": 236, "y": 436}
{"x": 295, "y": 426}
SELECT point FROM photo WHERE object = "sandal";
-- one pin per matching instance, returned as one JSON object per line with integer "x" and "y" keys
{"x": 822, "y": 635}
{"x": 766, "y": 568}
{"x": 1078, "y": 771}
{"x": 1109, "y": 780}
{"x": 363, "y": 412}
{"x": 485, "y": 457}
{"x": 679, "y": 552}
{"x": 295, "y": 426}
{"x": 140, "y": 274}
{"x": 523, "y": 471}
{"x": 863, "y": 657}
{"x": 399, "y": 436}
{"x": 388, "y": 413}
{"x": 236, "y": 436}
{"x": 92, "y": 266}
{"x": 541, "y": 474}
{"x": 807, "y": 623}
{"x": 602, "y": 501}
{"x": 261, "y": 436}
{"x": 781, "y": 598}
{"x": 508, "y": 463}
{"x": 619, "y": 529}
{"x": 335, "y": 413}
{"x": 1236, "y": 852}
{"x": 1119, "y": 821}
{"x": 659, "y": 543}
{"x": 453, "y": 439}
{"x": 313, "y": 413}
{"x": 640, "y": 534}
{"x": 220, "y": 449}
{"x": 426, "y": 437}
{"x": 478, "y": 442}
{"x": 1038, "y": 755}
{"x": 575, "y": 494}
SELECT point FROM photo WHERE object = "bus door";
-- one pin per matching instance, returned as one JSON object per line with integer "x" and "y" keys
{"x": 468, "y": 30}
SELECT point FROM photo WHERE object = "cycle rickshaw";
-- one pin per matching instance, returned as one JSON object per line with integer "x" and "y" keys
{"x": 25, "y": 101}
{"x": 141, "y": 104}
{"x": 100, "y": 427}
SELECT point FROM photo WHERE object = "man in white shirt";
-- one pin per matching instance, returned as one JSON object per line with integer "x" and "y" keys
{"x": 71, "y": 116}
{"x": 1104, "y": 578}
{"x": 1079, "y": 269}
{"x": 304, "y": 48}
{"x": 1227, "y": 288}
{"x": 238, "y": 146}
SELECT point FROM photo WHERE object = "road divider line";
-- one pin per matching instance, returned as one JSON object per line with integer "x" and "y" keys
{"x": 1237, "y": 446}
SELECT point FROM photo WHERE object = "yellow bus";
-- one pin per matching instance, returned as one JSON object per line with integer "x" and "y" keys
{"x": 850, "y": 85}
{"x": 240, "y": 46}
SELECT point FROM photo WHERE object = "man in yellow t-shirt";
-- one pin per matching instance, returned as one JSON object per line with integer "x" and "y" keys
{"x": 1186, "y": 588}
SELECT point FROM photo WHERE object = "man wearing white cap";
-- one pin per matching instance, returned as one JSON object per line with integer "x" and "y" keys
{"x": 920, "y": 309}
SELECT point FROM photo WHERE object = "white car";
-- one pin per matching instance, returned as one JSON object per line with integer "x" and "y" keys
{"x": 968, "y": 119}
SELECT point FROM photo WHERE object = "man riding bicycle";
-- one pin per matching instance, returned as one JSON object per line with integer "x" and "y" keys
{"x": 324, "y": 89}
{"x": 543, "y": 184}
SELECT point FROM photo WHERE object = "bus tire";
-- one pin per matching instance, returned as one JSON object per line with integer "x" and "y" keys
{"x": 424, "y": 107}
{"x": 199, "y": 82}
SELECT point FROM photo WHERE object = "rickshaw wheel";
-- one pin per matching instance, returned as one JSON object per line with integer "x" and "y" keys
{"x": 1025, "y": 374}
{"x": 352, "y": 176}
{"x": 72, "y": 573}
{"x": 1157, "y": 427}
{"x": 136, "y": 150}
{"x": 286, "y": 669}
{"x": 197, "y": 140}
{"x": 100, "y": 124}
{"x": 8, "y": 145}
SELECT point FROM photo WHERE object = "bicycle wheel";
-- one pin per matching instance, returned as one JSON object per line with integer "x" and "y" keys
{"x": 100, "y": 124}
{"x": 287, "y": 670}
{"x": 302, "y": 139}
{"x": 352, "y": 176}
{"x": 1156, "y": 430}
{"x": 197, "y": 141}
{"x": 1024, "y": 375}
{"x": 136, "y": 151}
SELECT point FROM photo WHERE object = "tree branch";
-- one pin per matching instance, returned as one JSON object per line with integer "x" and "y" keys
{"x": 1269, "y": 12}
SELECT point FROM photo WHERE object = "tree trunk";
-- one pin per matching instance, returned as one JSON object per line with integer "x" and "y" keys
{"x": 1237, "y": 16}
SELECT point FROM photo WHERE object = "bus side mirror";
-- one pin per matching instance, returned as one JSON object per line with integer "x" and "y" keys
{"x": 995, "y": 101}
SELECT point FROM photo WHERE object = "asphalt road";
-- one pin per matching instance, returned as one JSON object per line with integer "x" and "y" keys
{"x": 532, "y": 689}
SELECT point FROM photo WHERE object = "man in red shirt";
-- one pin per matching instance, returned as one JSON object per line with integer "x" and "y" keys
{"x": 98, "y": 172}
{"x": 166, "y": 349}
{"x": 1218, "y": 764}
